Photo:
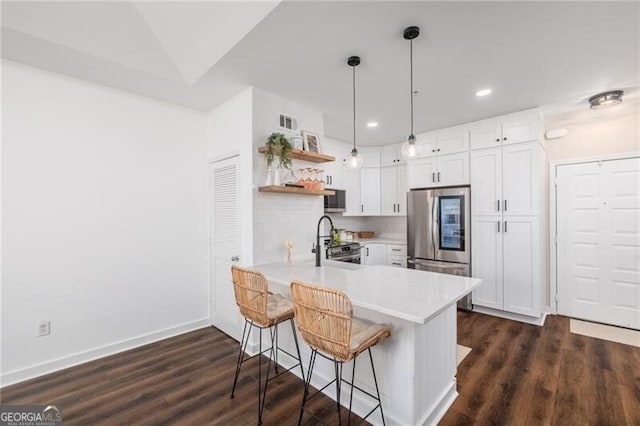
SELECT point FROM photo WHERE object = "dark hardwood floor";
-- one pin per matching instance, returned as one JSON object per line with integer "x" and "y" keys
{"x": 515, "y": 374}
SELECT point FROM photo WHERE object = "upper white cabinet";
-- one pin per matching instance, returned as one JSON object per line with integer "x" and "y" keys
{"x": 513, "y": 128}
{"x": 442, "y": 170}
{"x": 370, "y": 191}
{"x": 393, "y": 191}
{"x": 391, "y": 155}
{"x": 351, "y": 184}
{"x": 445, "y": 141}
{"x": 506, "y": 181}
{"x": 521, "y": 183}
{"x": 370, "y": 157}
{"x": 333, "y": 171}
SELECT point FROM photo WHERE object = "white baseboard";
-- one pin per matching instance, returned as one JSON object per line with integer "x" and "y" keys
{"x": 508, "y": 315}
{"x": 37, "y": 370}
{"x": 444, "y": 402}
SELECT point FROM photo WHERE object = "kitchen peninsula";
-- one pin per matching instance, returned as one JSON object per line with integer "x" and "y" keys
{"x": 417, "y": 365}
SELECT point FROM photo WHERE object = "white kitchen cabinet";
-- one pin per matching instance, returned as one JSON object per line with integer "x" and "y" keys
{"x": 486, "y": 182}
{"x": 521, "y": 265}
{"x": 391, "y": 155}
{"x": 370, "y": 157}
{"x": 442, "y": 170}
{"x": 333, "y": 170}
{"x": 486, "y": 250}
{"x": 370, "y": 191}
{"x": 398, "y": 261}
{"x": 445, "y": 141}
{"x": 521, "y": 166}
{"x": 351, "y": 184}
{"x": 393, "y": 190}
{"x": 506, "y": 180}
{"x": 506, "y": 256}
{"x": 374, "y": 254}
{"x": 518, "y": 127}
{"x": 396, "y": 249}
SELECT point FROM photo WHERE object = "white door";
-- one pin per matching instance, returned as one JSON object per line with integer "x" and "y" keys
{"x": 598, "y": 251}
{"x": 351, "y": 184}
{"x": 225, "y": 243}
{"x": 486, "y": 182}
{"x": 421, "y": 173}
{"x": 388, "y": 196}
{"x": 453, "y": 169}
{"x": 486, "y": 247}
{"x": 370, "y": 191}
{"x": 521, "y": 179}
{"x": 521, "y": 265}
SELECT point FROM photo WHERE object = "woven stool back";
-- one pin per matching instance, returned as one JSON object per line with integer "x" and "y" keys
{"x": 324, "y": 318}
{"x": 251, "y": 290}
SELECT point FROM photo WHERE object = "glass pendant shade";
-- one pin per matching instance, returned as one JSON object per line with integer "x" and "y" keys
{"x": 409, "y": 149}
{"x": 356, "y": 160}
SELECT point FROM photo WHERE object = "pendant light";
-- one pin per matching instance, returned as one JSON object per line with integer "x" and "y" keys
{"x": 355, "y": 162}
{"x": 409, "y": 148}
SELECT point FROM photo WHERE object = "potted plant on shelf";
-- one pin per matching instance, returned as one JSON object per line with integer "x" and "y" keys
{"x": 277, "y": 144}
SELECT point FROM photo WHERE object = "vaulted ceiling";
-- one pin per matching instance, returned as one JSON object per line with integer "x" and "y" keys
{"x": 199, "y": 54}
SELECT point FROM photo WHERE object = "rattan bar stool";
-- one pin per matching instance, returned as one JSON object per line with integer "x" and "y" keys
{"x": 325, "y": 319}
{"x": 263, "y": 310}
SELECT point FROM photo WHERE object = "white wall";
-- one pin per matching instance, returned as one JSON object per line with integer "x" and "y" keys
{"x": 280, "y": 217}
{"x": 104, "y": 220}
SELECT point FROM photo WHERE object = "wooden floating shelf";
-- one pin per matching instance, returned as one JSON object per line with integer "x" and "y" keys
{"x": 299, "y": 154}
{"x": 294, "y": 190}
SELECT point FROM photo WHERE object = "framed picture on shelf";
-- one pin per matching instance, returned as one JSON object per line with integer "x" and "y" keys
{"x": 311, "y": 141}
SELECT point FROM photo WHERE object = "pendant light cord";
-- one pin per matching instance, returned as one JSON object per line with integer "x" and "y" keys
{"x": 354, "y": 107}
{"x": 411, "y": 79}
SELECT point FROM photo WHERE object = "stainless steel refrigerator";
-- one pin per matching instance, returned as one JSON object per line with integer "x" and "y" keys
{"x": 439, "y": 232}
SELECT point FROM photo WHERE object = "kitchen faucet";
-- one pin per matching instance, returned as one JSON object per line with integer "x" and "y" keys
{"x": 316, "y": 249}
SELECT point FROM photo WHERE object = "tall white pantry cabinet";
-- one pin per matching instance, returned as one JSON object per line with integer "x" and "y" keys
{"x": 507, "y": 210}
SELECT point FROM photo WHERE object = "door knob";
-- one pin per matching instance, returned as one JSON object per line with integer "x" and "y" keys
{"x": 235, "y": 258}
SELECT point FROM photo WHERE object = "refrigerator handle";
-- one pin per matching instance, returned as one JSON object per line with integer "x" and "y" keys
{"x": 434, "y": 223}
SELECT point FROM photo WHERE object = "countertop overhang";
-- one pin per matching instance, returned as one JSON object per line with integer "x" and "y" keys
{"x": 407, "y": 294}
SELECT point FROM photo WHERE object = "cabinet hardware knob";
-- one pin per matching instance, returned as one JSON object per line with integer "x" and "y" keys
{"x": 433, "y": 177}
{"x": 438, "y": 149}
{"x": 505, "y": 226}
{"x": 504, "y": 139}
{"x": 498, "y": 226}
{"x": 498, "y": 140}
{"x": 505, "y": 205}
{"x": 438, "y": 176}
{"x": 498, "y": 202}
{"x": 235, "y": 258}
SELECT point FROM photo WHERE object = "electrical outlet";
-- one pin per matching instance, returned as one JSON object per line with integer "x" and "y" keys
{"x": 44, "y": 328}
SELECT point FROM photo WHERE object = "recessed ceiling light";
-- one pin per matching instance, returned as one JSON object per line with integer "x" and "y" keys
{"x": 372, "y": 124}
{"x": 483, "y": 92}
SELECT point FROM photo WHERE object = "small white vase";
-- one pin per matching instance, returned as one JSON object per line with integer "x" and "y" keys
{"x": 276, "y": 176}
{"x": 269, "y": 181}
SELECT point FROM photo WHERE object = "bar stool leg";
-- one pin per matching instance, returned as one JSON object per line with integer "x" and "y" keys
{"x": 295, "y": 339}
{"x": 375, "y": 380}
{"x": 335, "y": 366}
{"x": 307, "y": 383}
{"x": 241, "y": 352}
{"x": 266, "y": 382}
{"x": 353, "y": 379}
{"x": 260, "y": 379}
{"x": 276, "y": 350}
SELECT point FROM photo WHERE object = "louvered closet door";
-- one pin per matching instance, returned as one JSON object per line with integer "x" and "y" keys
{"x": 225, "y": 243}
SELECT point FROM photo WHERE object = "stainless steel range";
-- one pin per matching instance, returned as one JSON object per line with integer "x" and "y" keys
{"x": 346, "y": 252}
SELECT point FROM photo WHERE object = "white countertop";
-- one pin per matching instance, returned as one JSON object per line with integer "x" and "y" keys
{"x": 381, "y": 240}
{"x": 402, "y": 293}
